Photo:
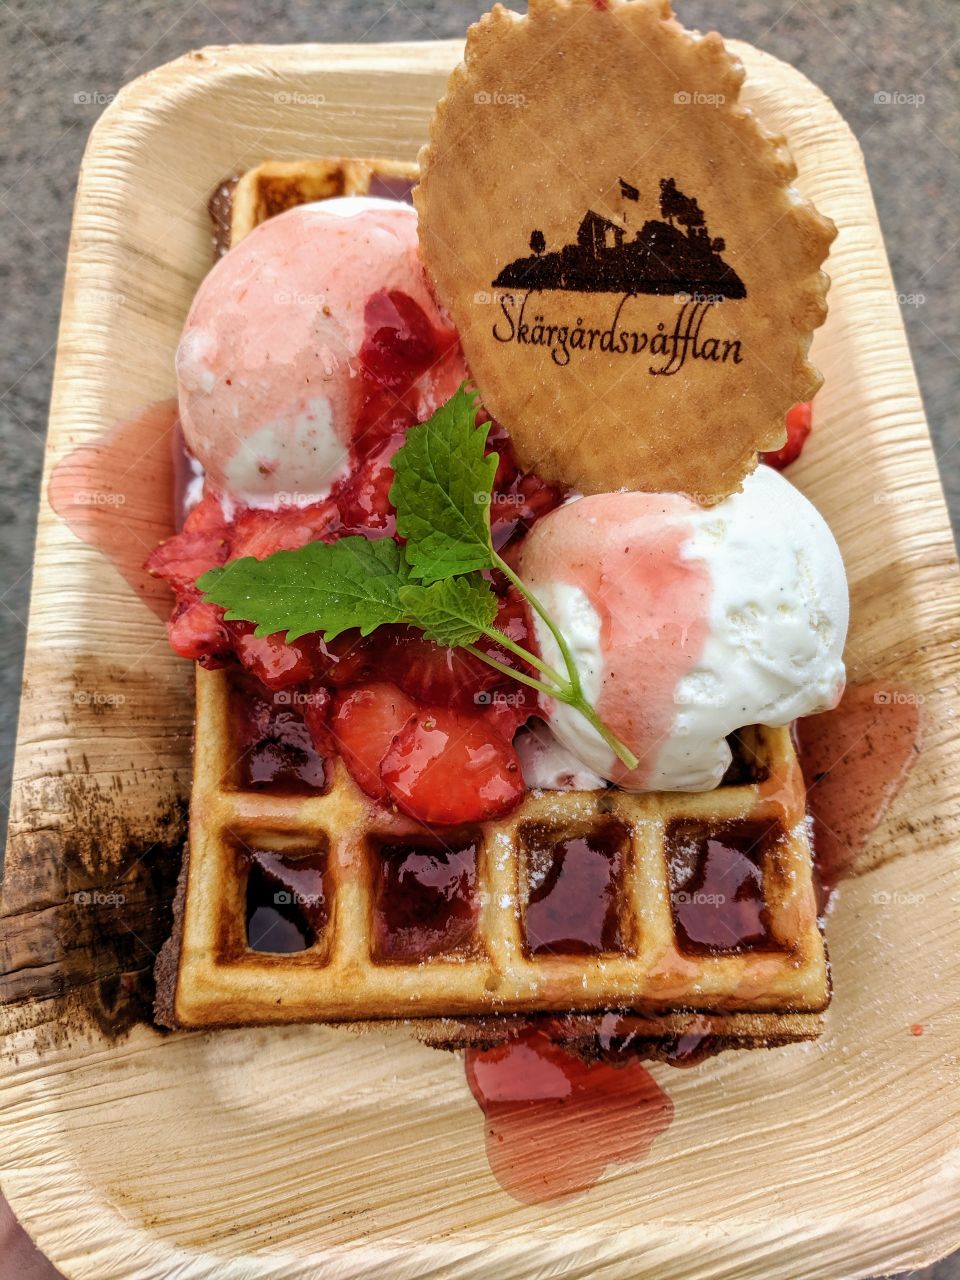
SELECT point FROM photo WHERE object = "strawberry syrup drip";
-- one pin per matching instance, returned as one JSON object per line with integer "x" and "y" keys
{"x": 572, "y": 907}
{"x": 287, "y": 906}
{"x": 554, "y": 1122}
{"x": 716, "y": 885}
{"x": 276, "y": 751}
{"x": 799, "y": 424}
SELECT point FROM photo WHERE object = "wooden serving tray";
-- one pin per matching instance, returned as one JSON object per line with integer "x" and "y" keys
{"x": 308, "y": 1151}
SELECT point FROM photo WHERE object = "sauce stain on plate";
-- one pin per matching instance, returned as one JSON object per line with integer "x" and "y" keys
{"x": 118, "y": 494}
{"x": 855, "y": 759}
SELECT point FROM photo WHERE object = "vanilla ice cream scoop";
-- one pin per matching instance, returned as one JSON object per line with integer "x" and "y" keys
{"x": 267, "y": 365}
{"x": 687, "y": 623}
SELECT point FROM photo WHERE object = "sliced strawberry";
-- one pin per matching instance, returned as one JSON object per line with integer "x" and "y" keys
{"x": 509, "y": 709}
{"x": 799, "y": 426}
{"x": 259, "y": 532}
{"x": 275, "y": 663}
{"x": 200, "y": 545}
{"x": 431, "y": 673}
{"x": 451, "y": 767}
{"x": 363, "y": 500}
{"x": 196, "y": 630}
{"x": 345, "y": 660}
{"x": 518, "y": 500}
{"x": 315, "y": 705}
{"x": 365, "y": 721}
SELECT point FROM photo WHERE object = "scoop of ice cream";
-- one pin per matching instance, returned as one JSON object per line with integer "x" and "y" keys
{"x": 267, "y": 364}
{"x": 687, "y": 623}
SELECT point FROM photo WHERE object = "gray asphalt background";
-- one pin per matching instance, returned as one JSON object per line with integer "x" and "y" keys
{"x": 51, "y": 52}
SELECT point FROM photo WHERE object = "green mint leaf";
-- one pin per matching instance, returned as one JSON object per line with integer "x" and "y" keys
{"x": 324, "y": 586}
{"x": 441, "y": 492}
{"x": 453, "y": 612}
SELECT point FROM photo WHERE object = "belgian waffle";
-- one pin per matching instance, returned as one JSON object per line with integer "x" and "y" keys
{"x": 242, "y": 202}
{"x": 673, "y": 946}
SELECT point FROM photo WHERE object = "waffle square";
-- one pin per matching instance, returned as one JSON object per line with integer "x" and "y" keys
{"x": 673, "y": 909}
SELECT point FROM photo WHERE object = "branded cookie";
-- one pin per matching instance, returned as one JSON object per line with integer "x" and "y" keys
{"x": 634, "y": 279}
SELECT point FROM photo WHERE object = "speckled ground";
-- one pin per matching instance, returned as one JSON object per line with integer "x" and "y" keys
{"x": 61, "y": 62}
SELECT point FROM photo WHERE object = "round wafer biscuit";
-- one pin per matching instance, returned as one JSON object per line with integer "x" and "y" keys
{"x": 634, "y": 279}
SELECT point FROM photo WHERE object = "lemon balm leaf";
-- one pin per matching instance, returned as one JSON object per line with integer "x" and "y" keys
{"x": 441, "y": 492}
{"x": 454, "y": 612}
{"x": 323, "y": 586}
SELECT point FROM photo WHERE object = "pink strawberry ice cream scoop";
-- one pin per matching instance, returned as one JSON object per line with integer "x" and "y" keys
{"x": 267, "y": 364}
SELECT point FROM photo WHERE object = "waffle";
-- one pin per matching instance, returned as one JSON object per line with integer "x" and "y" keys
{"x": 242, "y": 202}
{"x": 668, "y": 949}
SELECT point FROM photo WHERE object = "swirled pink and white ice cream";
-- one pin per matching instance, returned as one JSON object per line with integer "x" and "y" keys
{"x": 688, "y": 623}
{"x": 267, "y": 362}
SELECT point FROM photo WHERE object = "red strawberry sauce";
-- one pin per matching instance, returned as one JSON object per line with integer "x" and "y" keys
{"x": 432, "y": 733}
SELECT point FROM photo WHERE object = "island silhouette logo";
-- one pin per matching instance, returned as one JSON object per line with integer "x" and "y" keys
{"x": 670, "y": 255}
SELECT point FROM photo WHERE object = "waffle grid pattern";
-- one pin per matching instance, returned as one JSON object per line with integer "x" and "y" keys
{"x": 222, "y": 980}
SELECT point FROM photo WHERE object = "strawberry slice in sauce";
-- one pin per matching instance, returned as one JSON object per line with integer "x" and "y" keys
{"x": 363, "y": 498}
{"x": 799, "y": 426}
{"x": 276, "y": 663}
{"x": 364, "y": 723}
{"x": 450, "y": 767}
{"x": 196, "y": 631}
{"x": 259, "y": 532}
{"x": 432, "y": 674}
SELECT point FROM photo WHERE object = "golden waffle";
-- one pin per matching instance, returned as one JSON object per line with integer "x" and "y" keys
{"x": 353, "y": 971}
{"x": 667, "y": 955}
{"x": 241, "y": 203}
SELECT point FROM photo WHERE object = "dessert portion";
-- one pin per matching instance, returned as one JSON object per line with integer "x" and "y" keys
{"x": 476, "y": 735}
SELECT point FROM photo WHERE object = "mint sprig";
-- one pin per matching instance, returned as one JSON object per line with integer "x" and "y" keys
{"x": 435, "y": 582}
